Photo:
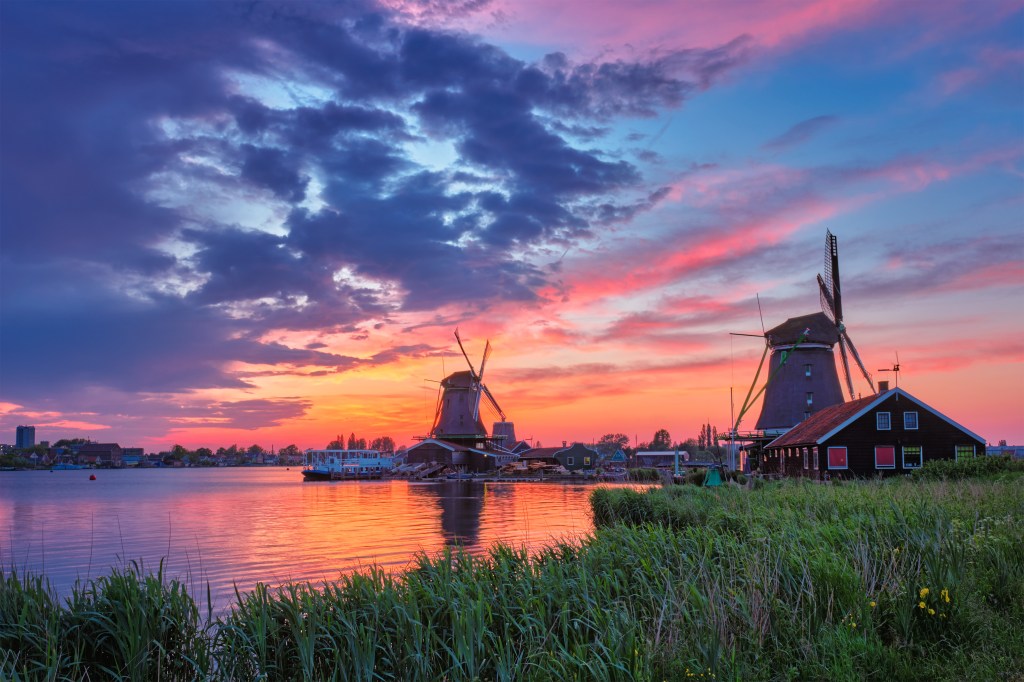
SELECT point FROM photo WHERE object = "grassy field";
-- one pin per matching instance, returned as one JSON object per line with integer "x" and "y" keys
{"x": 903, "y": 579}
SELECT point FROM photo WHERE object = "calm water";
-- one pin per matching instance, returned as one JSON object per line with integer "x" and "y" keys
{"x": 247, "y": 525}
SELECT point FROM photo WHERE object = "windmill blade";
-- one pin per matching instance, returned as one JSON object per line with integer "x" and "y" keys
{"x": 846, "y": 367}
{"x": 494, "y": 403}
{"x": 827, "y": 304}
{"x": 483, "y": 363}
{"x": 832, "y": 243}
{"x": 828, "y": 262}
{"x": 472, "y": 369}
{"x": 856, "y": 356}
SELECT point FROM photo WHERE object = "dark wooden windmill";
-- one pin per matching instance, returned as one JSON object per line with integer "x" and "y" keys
{"x": 803, "y": 378}
{"x": 457, "y": 417}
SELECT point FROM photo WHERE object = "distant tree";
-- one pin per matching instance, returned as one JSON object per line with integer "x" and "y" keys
{"x": 203, "y": 453}
{"x": 291, "y": 451}
{"x": 336, "y": 444}
{"x": 68, "y": 442}
{"x": 383, "y": 443}
{"x": 662, "y": 441}
{"x": 178, "y": 452}
{"x": 610, "y": 442}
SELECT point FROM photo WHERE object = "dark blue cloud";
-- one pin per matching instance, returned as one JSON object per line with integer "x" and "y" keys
{"x": 124, "y": 122}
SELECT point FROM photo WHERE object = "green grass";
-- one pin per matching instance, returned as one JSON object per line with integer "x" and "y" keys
{"x": 786, "y": 581}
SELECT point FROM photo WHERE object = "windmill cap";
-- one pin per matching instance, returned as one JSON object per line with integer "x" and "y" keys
{"x": 817, "y": 326}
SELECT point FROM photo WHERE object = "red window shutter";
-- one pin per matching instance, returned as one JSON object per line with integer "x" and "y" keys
{"x": 837, "y": 458}
{"x": 885, "y": 457}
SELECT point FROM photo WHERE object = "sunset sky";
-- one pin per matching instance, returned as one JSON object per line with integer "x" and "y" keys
{"x": 261, "y": 222}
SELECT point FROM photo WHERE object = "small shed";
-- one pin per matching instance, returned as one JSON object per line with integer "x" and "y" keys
{"x": 891, "y": 432}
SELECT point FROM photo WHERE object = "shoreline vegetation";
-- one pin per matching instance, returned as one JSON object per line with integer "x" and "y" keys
{"x": 900, "y": 579}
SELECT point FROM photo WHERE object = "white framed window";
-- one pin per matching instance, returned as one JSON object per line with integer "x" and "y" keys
{"x": 806, "y": 461}
{"x": 586, "y": 460}
{"x": 837, "y": 458}
{"x": 883, "y": 421}
{"x": 807, "y": 371}
{"x": 910, "y": 421}
{"x": 807, "y": 415}
{"x": 569, "y": 461}
{"x": 814, "y": 453}
{"x": 964, "y": 452}
{"x": 885, "y": 457}
{"x": 810, "y": 398}
{"x": 912, "y": 456}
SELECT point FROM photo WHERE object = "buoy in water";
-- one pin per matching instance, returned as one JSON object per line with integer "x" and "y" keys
{"x": 92, "y": 477}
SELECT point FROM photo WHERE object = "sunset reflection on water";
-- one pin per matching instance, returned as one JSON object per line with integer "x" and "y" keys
{"x": 240, "y": 526}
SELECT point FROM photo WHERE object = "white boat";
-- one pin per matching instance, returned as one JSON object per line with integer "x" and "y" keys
{"x": 345, "y": 465}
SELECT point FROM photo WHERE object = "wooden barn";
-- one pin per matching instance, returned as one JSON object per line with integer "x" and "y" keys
{"x": 891, "y": 432}
{"x": 455, "y": 455}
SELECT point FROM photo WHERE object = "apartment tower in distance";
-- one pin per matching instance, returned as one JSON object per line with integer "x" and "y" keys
{"x": 26, "y": 437}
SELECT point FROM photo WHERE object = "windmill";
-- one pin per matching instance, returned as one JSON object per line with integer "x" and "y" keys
{"x": 457, "y": 417}
{"x": 832, "y": 305}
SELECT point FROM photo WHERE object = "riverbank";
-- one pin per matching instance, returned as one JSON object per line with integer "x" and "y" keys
{"x": 878, "y": 580}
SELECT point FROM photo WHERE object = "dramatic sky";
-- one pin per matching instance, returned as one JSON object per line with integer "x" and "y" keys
{"x": 261, "y": 222}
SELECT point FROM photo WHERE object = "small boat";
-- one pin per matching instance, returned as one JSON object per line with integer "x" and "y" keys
{"x": 345, "y": 465}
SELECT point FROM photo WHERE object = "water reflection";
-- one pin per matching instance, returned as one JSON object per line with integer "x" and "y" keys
{"x": 230, "y": 528}
{"x": 461, "y": 504}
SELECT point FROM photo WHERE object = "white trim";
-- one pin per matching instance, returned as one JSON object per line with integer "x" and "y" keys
{"x": 806, "y": 459}
{"x": 920, "y": 461}
{"x": 885, "y": 396}
{"x": 570, "y": 461}
{"x": 814, "y": 454}
{"x": 888, "y": 420}
{"x": 828, "y": 457}
{"x": 917, "y": 420}
{"x": 890, "y": 466}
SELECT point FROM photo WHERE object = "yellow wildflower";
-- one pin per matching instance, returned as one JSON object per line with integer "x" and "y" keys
{"x": 873, "y": 604}
{"x": 920, "y": 605}
{"x": 931, "y": 612}
{"x": 924, "y": 592}
{"x": 945, "y": 595}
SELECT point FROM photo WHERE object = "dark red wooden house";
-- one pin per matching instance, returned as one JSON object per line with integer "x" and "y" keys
{"x": 891, "y": 432}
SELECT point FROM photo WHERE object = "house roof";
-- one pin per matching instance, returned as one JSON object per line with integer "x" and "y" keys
{"x": 821, "y": 422}
{"x": 541, "y": 453}
{"x": 822, "y": 425}
{"x": 821, "y": 330}
{"x": 98, "y": 447}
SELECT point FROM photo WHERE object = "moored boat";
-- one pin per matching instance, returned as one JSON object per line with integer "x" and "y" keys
{"x": 345, "y": 465}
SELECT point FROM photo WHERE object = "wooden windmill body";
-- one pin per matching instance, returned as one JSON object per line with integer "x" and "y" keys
{"x": 803, "y": 376}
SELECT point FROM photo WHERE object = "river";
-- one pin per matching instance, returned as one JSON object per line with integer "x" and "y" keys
{"x": 230, "y": 527}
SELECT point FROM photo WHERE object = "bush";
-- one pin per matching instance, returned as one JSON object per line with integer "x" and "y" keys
{"x": 971, "y": 467}
{"x": 644, "y": 474}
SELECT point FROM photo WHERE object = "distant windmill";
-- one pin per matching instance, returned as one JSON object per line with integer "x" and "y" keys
{"x": 832, "y": 305}
{"x": 457, "y": 417}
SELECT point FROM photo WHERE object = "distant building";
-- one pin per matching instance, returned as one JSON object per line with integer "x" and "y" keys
{"x": 101, "y": 454}
{"x": 1014, "y": 451}
{"x": 26, "y": 437}
{"x": 892, "y": 432}
{"x": 660, "y": 459}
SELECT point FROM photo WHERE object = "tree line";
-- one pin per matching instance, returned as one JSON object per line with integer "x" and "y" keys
{"x": 705, "y": 441}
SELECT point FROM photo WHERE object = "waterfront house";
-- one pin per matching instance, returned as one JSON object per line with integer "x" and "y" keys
{"x": 572, "y": 457}
{"x": 891, "y": 432}
{"x": 100, "y": 454}
{"x": 439, "y": 451}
